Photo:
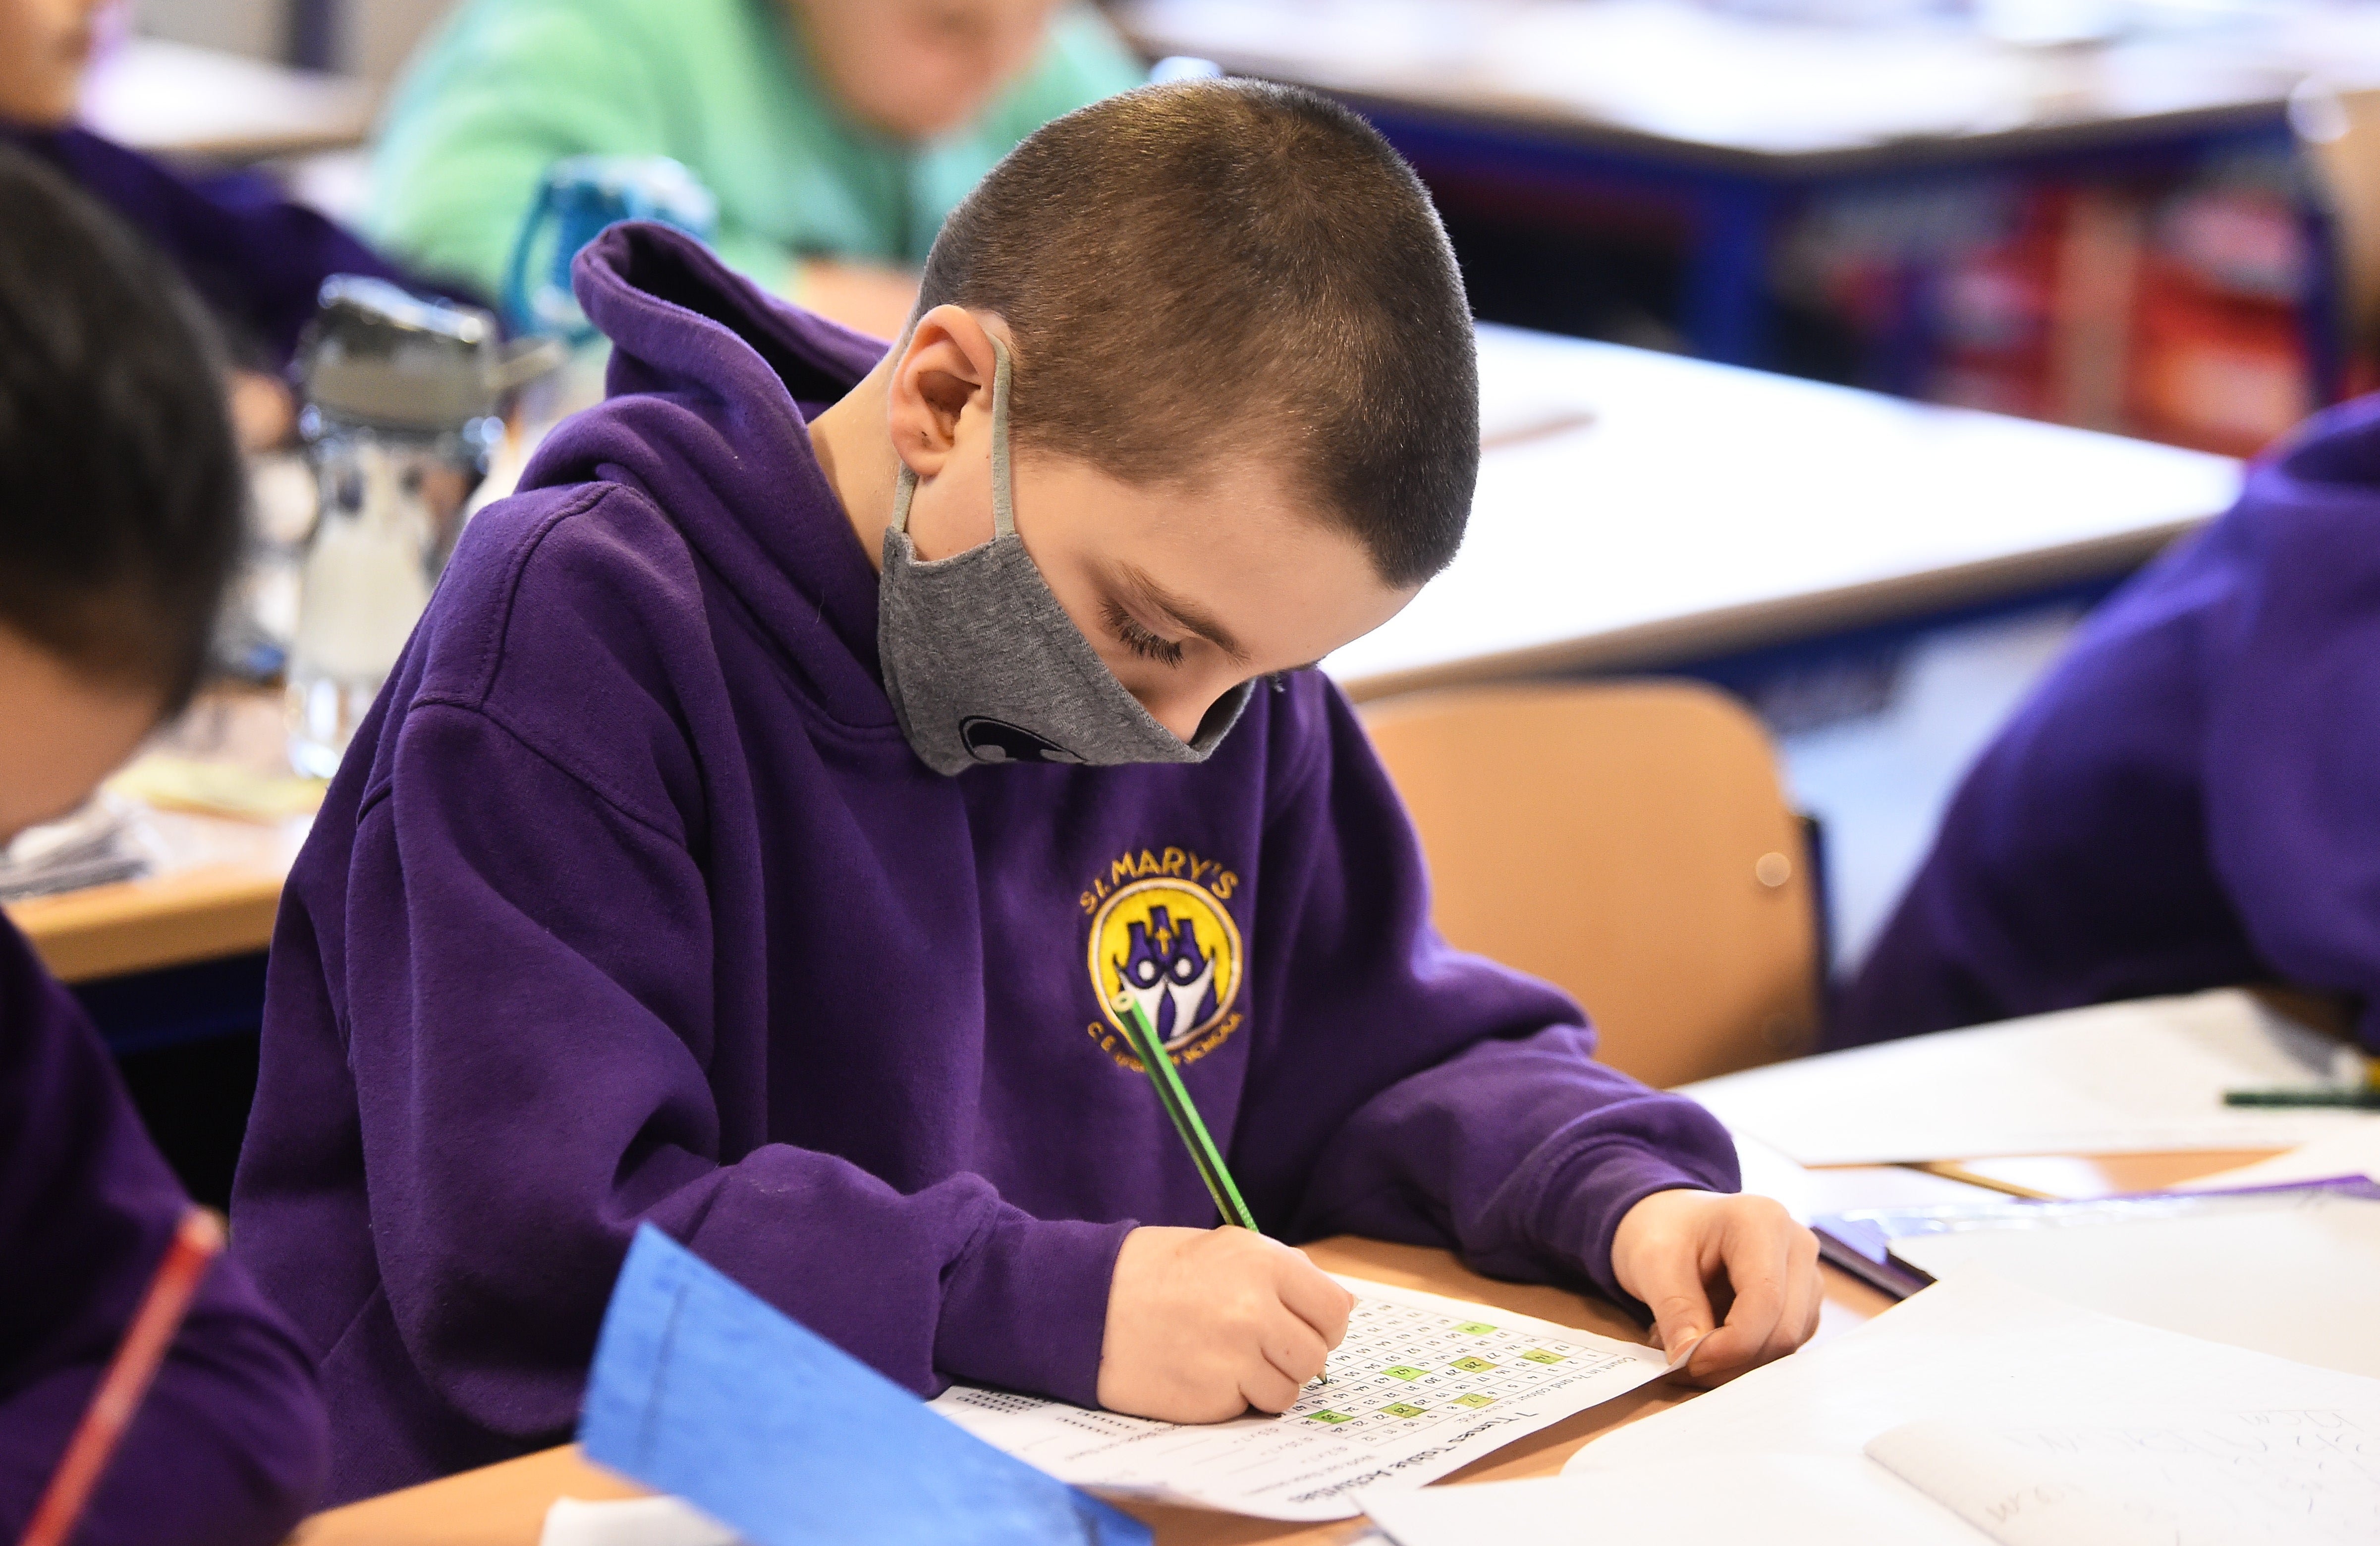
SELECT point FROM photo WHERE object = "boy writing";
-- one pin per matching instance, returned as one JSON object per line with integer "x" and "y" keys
{"x": 785, "y": 793}
{"x": 119, "y": 520}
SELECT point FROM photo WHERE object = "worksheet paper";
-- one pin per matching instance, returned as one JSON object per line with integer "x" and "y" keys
{"x": 2294, "y": 1273}
{"x": 2350, "y": 1151}
{"x": 1421, "y": 1386}
{"x": 2214, "y": 1475}
{"x": 2119, "y": 1079}
{"x": 1977, "y": 1348}
{"x": 1760, "y": 1500}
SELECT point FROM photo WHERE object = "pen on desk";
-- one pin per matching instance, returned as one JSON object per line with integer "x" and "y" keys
{"x": 198, "y": 1241}
{"x": 1176, "y": 1102}
{"x": 2354, "y": 1097}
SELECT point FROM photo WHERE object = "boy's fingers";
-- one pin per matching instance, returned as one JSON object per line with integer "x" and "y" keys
{"x": 1267, "y": 1389}
{"x": 1316, "y": 1297}
{"x": 1757, "y": 1270}
{"x": 1297, "y": 1349}
{"x": 1672, "y": 1290}
{"x": 1801, "y": 1320}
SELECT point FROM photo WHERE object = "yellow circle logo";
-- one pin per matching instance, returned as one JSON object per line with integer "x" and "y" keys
{"x": 1168, "y": 947}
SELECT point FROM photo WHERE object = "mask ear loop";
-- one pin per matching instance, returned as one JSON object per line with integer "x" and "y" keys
{"x": 1003, "y": 503}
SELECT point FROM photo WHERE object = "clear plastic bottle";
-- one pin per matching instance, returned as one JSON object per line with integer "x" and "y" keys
{"x": 399, "y": 425}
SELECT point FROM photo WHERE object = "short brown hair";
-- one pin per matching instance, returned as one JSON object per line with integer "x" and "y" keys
{"x": 1190, "y": 265}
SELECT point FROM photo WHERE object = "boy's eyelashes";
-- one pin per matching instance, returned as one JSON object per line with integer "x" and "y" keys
{"x": 1129, "y": 633}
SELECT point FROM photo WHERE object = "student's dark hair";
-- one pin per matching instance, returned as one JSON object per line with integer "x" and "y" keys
{"x": 1209, "y": 264}
{"x": 120, "y": 488}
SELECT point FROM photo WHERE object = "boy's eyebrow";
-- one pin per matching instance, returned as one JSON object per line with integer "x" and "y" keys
{"x": 1188, "y": 616}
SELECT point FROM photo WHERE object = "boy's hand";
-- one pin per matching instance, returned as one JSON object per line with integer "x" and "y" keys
{"x": 1205, "y": 1323}
{"x": 1693, "y": 1256}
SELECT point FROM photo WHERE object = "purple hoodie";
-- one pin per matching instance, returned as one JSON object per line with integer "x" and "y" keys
{"x": 631, "y": 902}
{"x": 257, "y": 258}
{"x": 2190, "y": 799}
{"x": 229, "y": 1448}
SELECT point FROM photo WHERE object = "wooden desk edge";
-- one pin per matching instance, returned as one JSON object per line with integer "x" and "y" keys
{"x": 144, "y": 925}
{"x": 1703, "y": 636}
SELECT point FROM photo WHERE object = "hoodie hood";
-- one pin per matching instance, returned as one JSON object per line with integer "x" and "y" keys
{"x": 711, "y": 387}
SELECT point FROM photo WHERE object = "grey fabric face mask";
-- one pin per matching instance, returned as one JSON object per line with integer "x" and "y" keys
{"x": 982, "y": 663}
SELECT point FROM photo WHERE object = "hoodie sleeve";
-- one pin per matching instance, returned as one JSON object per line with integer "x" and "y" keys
{"x": 1409, "y": 1092}
{"x": 585, "y": 1065}
{"x": 230, "y": 1446}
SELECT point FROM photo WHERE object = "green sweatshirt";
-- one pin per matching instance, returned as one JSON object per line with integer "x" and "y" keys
{"x": 509, "y": 87}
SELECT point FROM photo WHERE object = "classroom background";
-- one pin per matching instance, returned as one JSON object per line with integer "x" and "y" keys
{"x": 2133, "y": 219}
{"x": 1838, "y": 358}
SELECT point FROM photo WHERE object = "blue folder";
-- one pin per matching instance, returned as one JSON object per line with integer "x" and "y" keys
{"x": 702, "y": 1389}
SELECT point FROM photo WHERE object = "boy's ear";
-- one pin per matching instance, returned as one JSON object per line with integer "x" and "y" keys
{"x": 945, "y": 367}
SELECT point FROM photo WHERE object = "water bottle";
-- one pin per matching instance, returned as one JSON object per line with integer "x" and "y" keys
{"x": 399, "y": 421}
{"x": 580, "y": 197}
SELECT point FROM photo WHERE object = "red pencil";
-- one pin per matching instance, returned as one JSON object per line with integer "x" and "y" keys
{"x": 196, "y": 1243}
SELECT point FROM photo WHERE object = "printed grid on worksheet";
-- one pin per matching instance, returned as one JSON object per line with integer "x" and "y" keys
{"x": 1399, "y": 1366}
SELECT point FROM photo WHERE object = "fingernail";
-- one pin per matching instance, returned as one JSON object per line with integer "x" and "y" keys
{"x": 1687, "y": 1342}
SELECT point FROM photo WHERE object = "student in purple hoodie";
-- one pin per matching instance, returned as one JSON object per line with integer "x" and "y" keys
{"x": 2187, "y": 801}
{"x": 787, "y": 789}
{"x": 257, "y": 259}
{"x": 119, "y": 519}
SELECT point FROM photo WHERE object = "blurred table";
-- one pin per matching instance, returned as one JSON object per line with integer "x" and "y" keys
{"x": 1777, "y": 90}
{"x": 1638, "y": 510}
{"x": 504, "y": 1504}
{"x": 215, "y": 881}
{"x": 1714, "y": 118}
{"x": 201, "y": 103}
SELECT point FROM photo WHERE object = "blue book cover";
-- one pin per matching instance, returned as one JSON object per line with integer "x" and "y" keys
{"x": 702, "y": 1389}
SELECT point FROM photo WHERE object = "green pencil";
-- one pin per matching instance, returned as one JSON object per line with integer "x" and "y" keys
{"x": 2357, "y": 1097}
{"x": 1176, "y": 1102}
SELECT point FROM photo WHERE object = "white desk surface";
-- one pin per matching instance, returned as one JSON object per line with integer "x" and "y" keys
{"x": 1701, "y": 509}
{"x": 1699, "y": 78}
{"x": 172, "y": 99}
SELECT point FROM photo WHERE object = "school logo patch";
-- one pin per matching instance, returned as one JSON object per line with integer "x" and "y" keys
{"x": 1163, "y": 939}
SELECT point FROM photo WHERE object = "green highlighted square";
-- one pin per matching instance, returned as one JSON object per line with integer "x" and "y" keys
{"x": 1475, "y": 1400}
{"x": 1475, "y": 1328}
{"x": 1538, "y": 1354}
{"x": 1405, "y": 1371}
{"x": 1403, "y": 1409}
{"x": 1329, "y": 1417}
{"x": 1468, "y": 1366}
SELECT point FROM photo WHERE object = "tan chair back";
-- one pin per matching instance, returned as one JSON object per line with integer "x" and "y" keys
{"x": 2340, "y": 134}
{"x": 1628, "y": 841}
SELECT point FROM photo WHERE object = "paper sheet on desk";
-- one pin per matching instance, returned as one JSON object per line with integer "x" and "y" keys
{"x": 1421, "y": 1386}
{"x": 2352, "y": 1150}
{"x": 2213, "y": 1476}
{"x": 2289, "y": 1273}
{"x": 2141, "y": 1078}
{"x": 1795, "y": 1500}
{"x": 1975, "y": 1345}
